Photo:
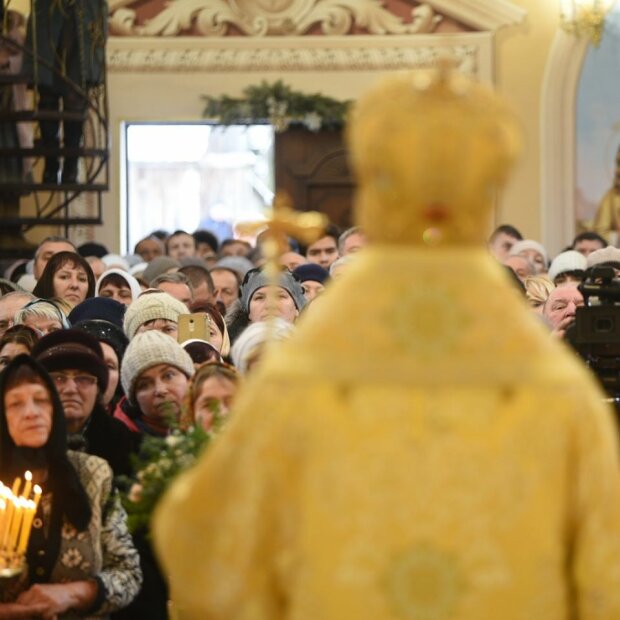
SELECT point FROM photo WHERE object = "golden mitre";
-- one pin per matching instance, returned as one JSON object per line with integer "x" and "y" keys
{"x": 430, "y": 149}
{"x": 421, "y": 447}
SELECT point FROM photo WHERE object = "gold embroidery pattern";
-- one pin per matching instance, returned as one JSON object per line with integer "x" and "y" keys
{"x": 424, "y": 583}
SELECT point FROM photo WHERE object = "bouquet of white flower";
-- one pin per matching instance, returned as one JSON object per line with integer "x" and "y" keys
{"x": 161, "y": 459}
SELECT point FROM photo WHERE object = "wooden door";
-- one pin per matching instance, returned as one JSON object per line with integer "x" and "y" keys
{"x": 313, "y": 168}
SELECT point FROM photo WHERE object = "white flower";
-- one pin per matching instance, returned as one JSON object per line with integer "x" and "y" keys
{"x": 312, "y": 121}
{"x": 173, "y": 440}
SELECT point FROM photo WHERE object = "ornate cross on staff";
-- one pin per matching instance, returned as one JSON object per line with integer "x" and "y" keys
{"x": 284, "y": 221}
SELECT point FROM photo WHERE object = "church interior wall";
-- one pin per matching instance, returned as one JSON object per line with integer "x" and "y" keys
{"x": 518, "y": 67}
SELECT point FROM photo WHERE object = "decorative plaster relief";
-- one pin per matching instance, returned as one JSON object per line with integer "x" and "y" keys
{"x": 292, "y": 58}
{"x": 259, "y": 18}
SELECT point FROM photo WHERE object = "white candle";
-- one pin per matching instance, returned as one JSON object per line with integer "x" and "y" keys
{"x": 28, "y": 485}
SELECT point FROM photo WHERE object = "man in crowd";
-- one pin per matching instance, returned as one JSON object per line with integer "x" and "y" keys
{"x": 226, "y": 286}
{"x": 502, "y": 239}
{"x": 175, "y": 284}
{"x": 587, "y": 242}
{"x": 47, "y": 248}
{"x": 324, "y": 251}
{"x": 9, "y": 305}
{"x": 149, "y": 248}
{"x": 561, "y": 306}
{"x": 201, "y": 282}
{"x": 351, "y": 240}
{"x": 180, "y": 245}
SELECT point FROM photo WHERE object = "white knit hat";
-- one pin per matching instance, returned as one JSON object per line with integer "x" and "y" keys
{"x": 149, "y": 307}
{"x": 529, "y": 244}
{"x": 149, "y": 349}
{"x": 255, "y": 335}
{"x": 605, "y": 256}
{"x": 567, "y": 261}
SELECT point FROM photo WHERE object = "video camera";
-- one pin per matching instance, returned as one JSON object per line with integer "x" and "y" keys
{"x": 595, "y": 334}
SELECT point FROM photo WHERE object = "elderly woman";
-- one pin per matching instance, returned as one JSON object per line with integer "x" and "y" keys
{"x": 76, "y": 363}
{"x": 118, "y": 284}
{"x": 259, "y": 301}
{"x": 16, "y": 340}
{"x": 66, "y": 276}
{"x": 43, "y": 316}
{"x": 81, "y": 559}
{"x": 155, "y": 376}
{"x": 532, "y": 251}
{"x": 211, "y": 394}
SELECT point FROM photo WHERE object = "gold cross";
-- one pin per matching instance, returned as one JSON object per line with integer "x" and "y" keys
{"x": 307, "y": 226}
{"x": 284, "y": 221}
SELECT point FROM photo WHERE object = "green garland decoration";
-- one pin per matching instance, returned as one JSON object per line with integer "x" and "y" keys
{"x": 279, "y": 105}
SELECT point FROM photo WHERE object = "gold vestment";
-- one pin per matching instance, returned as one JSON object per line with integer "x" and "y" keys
{"x": 421, "y": 449}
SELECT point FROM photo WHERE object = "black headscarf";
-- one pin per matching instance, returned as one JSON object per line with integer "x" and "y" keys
{"x": 69, "y": 497}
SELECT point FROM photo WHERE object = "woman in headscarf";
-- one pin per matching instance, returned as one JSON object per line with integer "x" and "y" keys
{"x": 80, "y": 557}
{"x": 118, "y": 284}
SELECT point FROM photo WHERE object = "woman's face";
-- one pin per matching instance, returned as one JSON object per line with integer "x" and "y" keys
{"x": 215, "y": 399}
{"x": 42, "y": 324}
{"x": 160, "y": 391}
{"x": 165, "y": 326}
{"x": 261, "y": 306}
{"x": 71, "y": 283}
{"x": 11, "y": 350}
{"x": 111, "y": 361}
{"x": 216, "y": 338}
{"x": 118, "y": 293}
{"x": 536, "y": 258}
{"x": 28, "y": 409}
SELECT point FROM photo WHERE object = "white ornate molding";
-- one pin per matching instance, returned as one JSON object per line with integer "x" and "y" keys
{"x": 558, "y": 113}
{"x": 260, "y": 18}
{"x": 307, "y": 54}
{"x": 481, "y": 14}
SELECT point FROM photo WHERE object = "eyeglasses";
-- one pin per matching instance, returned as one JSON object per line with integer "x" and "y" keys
{"x": 81, "y": 381}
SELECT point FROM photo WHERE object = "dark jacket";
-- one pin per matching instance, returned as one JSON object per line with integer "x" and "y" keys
{"x": 111, "y": 440}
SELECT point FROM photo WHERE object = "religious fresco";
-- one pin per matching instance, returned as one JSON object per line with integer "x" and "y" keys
{"x": 597, "y": 191}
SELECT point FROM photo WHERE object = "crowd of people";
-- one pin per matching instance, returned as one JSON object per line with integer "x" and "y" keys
{"x": 97, "y": 354}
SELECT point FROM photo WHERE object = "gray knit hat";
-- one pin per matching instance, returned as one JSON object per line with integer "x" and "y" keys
{"x": 149, "y": 349}
{"x": 149, "y": 307}
{"x": 159, "y": 265}
{"x": 257, "y": 279}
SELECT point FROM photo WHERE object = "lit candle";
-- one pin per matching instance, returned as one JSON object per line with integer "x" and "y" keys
{"x": 37, "y": 496}
{"x": 29, "y": 511}
{"x": 18, "y": 513}
{"x": 16, "y": 484}
{"x": 10, "y": 511}
{"x": 28, "y": 485}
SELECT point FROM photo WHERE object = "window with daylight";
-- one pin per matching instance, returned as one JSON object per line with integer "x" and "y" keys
{"x": 196, "y": 175}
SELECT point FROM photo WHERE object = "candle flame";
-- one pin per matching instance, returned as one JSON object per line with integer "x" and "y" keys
{"x": 28, "y": 475}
